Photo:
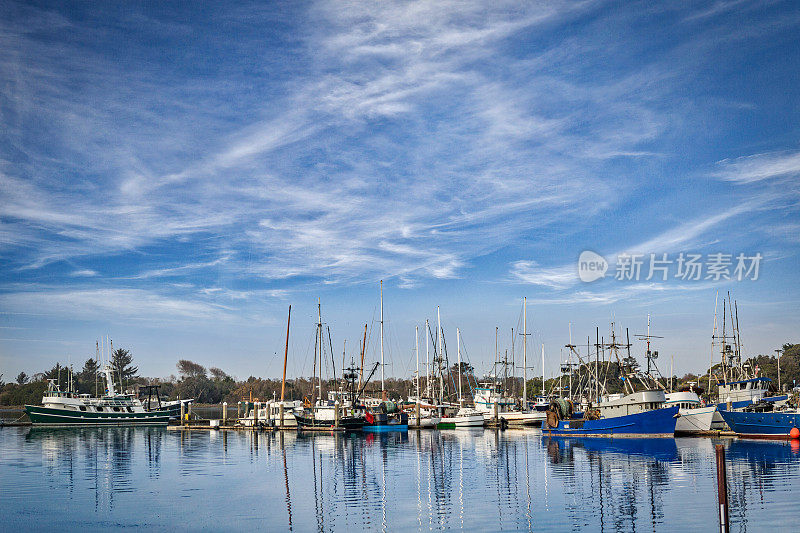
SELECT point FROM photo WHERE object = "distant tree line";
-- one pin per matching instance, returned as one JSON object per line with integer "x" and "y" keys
{"x": 213, "y": 385}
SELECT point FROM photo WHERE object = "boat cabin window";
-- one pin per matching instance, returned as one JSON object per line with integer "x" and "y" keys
{"x": 82, "y": 407}
{"x": 116, "y": 409}
{"x": 130, "y": 410}
{"x": 100, "y": 409}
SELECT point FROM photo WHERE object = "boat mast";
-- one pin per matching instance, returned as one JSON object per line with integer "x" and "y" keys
{"x": 713, "y": 338}
{"x": 427, "y": 361}
{"x": 496, "y": 355}
{"x": 513, "y": 362}
{"x": 524, "y": 353}
{"x": 439, "y": 353}
{"x": 383, "y": 389}
{"x": 569, "y": 358}
{"x": 286, "y": 354}
{"x": 739, "y": 342}
{"x": 363, "y": 349}
{"x": 458, "y": 345}
{"x": 319, "y": 342}
{"x": 723, "y": 353}
{"x": 416, "y": 350}
{"x": 543, "y": 393}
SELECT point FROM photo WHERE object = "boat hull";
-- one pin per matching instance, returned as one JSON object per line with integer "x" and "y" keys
{"x": 694, "y": 421}
{"x": 761, "y": 425}
{"x": 518, "y": 418}
{"x": 655, "y": 423}
{"x": 347, "y": 423}
{"x": 385, "y": 427}
{"x": 461, "y": 421}
{"x": 380, "y": 422}
{"x": 424, "y": 422}
{"x": 719, "y": 423}
{"x": 41, "y": 416}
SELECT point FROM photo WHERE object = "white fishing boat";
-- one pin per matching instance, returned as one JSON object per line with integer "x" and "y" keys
{"x": 66, "y": 408}
{"x": 695, "y": 418}
{"x": 464, "y": 417}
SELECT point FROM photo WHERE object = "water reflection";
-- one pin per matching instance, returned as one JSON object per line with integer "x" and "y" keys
{"x": 471, "y": 479}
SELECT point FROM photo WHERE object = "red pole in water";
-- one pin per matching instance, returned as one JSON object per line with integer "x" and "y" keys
{"x": 722, "y": 490}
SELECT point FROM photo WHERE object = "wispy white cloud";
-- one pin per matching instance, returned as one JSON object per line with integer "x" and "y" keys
{"x": 684, "y": 237}
{"x": 759, "y": 167}
{"x": 83, "y": 273}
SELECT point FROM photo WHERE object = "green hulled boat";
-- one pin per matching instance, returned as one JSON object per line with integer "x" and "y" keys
{"x": 66, "y": 408}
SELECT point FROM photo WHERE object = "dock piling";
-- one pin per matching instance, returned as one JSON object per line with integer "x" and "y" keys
{"x": 281, "y": 411}
{"x": 224, "y": 413}
{"x": 722, "y": 490}
{"x": 183, "y": 413}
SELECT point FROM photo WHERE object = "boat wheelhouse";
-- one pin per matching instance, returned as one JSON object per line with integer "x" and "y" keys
{"x": 696, "y": 417}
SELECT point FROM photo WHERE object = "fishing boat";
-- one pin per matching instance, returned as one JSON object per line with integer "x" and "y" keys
{"x": 326, "y": 419}
{"x": 695, "y": 417}
{"x": 464, "y": 417}
{"x": 766, "y": 424}
{"x": 633, "y": 413}
{"x": 387, "y": 417}
{"x": 66, "y": 408}
{"x": 341, "y": 410}
{"x": 739, "y": 386}
{"x": 646, "y": 417}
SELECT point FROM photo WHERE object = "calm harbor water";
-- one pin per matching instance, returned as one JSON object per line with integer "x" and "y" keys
{"x": 95, "y": 478}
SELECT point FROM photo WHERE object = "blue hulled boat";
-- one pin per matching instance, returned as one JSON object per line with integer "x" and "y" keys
{"x": 767, "y": 425}
{"x": 652, "y": 423}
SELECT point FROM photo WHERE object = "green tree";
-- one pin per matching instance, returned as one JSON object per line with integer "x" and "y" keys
{"x": 88, "y": 380}
{"x": 22, "y": 378}
{"x": 122, "y": 362}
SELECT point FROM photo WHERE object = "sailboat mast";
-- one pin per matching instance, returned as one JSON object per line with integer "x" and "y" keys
{"x": 427, "y": 361}
{"x": 319, "y": 343}
{"x": 439, "y": 353}
{"x": 458, "y": 345}
{"x": 286, "y": 354}
{"x": 383, "y": 387}
{"x": 513, "y": 363}
{"x": 524, "y": 353}
{"x": 416, "y": 350}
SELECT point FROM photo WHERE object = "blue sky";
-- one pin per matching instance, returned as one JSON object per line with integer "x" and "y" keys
{"x": 175, "y": 175}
